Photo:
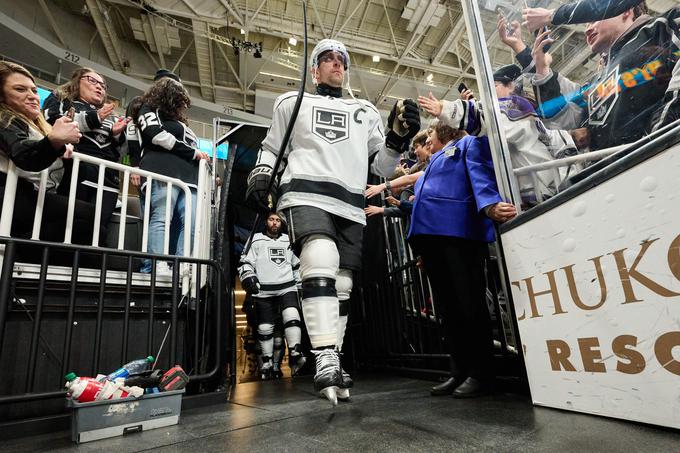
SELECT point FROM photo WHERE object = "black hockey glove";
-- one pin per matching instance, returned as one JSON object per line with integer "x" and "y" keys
{"x": 251, "y": 285}
{"x": 256, "y": 194}
{"x": 402, "y": 125}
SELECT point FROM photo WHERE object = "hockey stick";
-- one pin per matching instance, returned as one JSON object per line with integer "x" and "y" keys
{"x": 289, "y": 129}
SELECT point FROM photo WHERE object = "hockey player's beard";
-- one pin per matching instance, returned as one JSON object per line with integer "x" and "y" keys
{"x": 273, "y": 231}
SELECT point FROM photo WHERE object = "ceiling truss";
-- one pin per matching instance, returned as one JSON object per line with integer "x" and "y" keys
{"x": 369, "y": 28}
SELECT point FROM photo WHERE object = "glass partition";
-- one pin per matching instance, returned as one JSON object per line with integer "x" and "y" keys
{"x": 565, "y": 95}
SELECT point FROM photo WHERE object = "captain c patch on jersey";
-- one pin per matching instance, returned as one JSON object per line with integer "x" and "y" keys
{"x": 277, "y": 255}
{"x": 331, "y": 125}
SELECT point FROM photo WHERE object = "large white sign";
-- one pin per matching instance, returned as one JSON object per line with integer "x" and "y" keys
{"x": 596, "y": 287}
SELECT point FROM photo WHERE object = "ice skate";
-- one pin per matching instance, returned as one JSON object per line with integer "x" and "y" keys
{"x": 276, "y": 372}
{"x": 328, "y": 377}
{"x": 267, "y": 371}
{"x": 346, "y": 379}
{"x": 347, "y": 383}
{"x": 296, "y": 361}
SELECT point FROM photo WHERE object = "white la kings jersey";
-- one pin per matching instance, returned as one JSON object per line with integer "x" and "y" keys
{"x": 273, "y": 263}
{"x": 328, "y": 153}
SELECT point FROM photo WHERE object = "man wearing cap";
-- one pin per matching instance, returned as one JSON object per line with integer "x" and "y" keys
{"x": 530, "y": 142}
{"x": 321, "y": 194}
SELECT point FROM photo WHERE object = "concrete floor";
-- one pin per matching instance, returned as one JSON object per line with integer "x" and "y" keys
{"x": 386, "y": 414}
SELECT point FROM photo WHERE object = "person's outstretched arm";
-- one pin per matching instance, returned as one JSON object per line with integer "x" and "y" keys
{"x": 580, "y": 12}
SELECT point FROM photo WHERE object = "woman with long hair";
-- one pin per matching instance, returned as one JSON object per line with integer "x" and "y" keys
{"x": 28, "y": 141}
{"x": 169, "y": 147}
{"x": 103, "y": 135}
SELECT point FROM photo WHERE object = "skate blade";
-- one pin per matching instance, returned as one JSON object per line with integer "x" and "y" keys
{"x": 331, "y": 394}
{"x": 343, "y": 395}
{"x": 301, "y": 362}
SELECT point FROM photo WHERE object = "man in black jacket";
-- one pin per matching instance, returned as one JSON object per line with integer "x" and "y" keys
{"x": 636, "y": 89}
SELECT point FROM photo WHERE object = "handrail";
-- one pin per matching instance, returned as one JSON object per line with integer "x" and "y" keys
{"x": 592, "y": 156}
{"x": 127, "y": 171}
{"x": 7, "y": 213}
{"x": 565, "y": 162}
{"x": 201, "y": 247}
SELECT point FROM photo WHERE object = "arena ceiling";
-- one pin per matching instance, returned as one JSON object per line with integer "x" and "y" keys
{"x": 399, "y": 48}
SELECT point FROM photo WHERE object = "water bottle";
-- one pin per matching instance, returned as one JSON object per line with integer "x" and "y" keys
{"x": 134, "y": 367}
{"x": 83, "y": 389}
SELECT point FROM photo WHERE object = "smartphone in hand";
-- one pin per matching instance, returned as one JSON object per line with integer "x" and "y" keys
{"x": 462, "y": 87}
{"x": 546, "y": 48}
{"x": 71, "y": 113}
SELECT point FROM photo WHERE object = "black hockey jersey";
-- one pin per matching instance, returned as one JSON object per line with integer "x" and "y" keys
{"x": 625, "y": 100}
{"x": 168, "y": 146}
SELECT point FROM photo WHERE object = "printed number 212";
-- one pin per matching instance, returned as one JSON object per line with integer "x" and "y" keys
{"x": 73, "y": 58}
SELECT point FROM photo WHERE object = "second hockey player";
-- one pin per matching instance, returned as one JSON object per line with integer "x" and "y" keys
{"x": 270, "y": 273}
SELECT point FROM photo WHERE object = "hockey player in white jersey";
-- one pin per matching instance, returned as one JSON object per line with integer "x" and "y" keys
{"x": 271, "y": 272}
{"x": 334, "y": 142}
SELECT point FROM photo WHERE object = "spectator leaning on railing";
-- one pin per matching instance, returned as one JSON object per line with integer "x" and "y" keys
{"x": 170, "y": 148}
{"x": 102, "y": 136}
{"x": 451, "y": 224}
{"x": 28, "y": 141}
{"x": 530, "y": 141}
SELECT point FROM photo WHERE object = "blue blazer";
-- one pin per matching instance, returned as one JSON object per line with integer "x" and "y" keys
{"x": 452, "y": 194}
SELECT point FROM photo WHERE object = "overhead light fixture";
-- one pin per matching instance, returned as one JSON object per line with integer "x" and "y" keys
{"x": 376, "y": 59}
{"x": 243, "y": 32}
{"x": 429, "y": 77}
{"x": 251, "y": 47}
{"x": 292, "y": 41}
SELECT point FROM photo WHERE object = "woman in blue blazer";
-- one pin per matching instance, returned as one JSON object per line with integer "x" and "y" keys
{"x": 456, "y": 202}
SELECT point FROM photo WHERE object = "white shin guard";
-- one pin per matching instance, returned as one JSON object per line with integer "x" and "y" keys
{"x": 265, "y": 334}
{"x": 342, "y": 326}
{"x": 291, "y": 326}
{"x": 319, "y": 262}
{"x": 343, "y": 285}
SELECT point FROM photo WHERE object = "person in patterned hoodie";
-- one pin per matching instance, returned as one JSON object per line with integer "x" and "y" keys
{"x": 103, "y": 135}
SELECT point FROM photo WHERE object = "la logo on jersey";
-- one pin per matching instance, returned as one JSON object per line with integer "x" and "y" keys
{"x": 331, "y": 125}
{"x": 277, "y": 256}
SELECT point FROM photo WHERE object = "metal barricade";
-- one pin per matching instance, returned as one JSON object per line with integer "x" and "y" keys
{"x": 86, "y": 310}
{"x": 399, "y": 326}
{"x": 88, "y": 317}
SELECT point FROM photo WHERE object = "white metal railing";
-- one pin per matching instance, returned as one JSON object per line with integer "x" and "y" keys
{"x": 532, "y": 170}
{"x": 553, "y": 165}
{"x": 127, "y": 171}
{"x": 202, "y": 230}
